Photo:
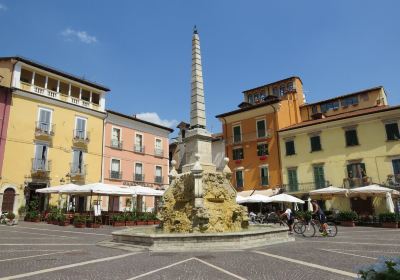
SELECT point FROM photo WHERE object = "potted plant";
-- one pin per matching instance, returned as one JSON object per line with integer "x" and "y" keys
{"x": 347, "y": 218}
{"x": 130, "y": 218}
{"x": 118, "y": 220}
{"x": 142, "y": 219}
{"x": 22, "y": 212}
{"x": 10, "y": 218}
{"x": 79, "y": 221}
{"x": 94, "y": 222}
{"x": 389, "y": 220}
{"x": 63, "y": 220}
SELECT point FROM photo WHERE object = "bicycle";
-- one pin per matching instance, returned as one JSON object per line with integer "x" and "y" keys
{"x": 308, "y": 229}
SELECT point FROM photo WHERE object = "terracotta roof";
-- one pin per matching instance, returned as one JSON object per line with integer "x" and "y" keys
{"x": 56, "y": 71}
{"x": 273, "y": 83}
{"x": 346, "y": 115}
{"x": 140, "y": 120}
{"x": 262, "y": 104}
{"x": 343, "y": 96}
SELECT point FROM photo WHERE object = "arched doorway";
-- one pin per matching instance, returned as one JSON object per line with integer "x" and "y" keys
{"x": 8, "y": 200}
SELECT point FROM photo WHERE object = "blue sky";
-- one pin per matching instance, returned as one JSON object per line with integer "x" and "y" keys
{"x": 142, "y": 49}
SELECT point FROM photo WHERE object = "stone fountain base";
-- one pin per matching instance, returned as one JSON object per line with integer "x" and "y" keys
{"x": 155, "y": 240}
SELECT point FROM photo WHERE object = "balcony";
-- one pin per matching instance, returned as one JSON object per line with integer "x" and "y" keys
{"x": 138, "y": 177}
{"x": 77, "y": 171}
{"x": 44, "y": 130}
{"x": 81, "y": 137}
{"x": 350, "y": 183}
{"x": 116, "y": 144}
{"x": 393, "y": 181}
{"x": 115, "y": 175}
{"x": 158, "y": 179}
{"x": 305, "y": 187}
{"x": 40, "y": 167}
{"x": 138, "y": 149}
{"x": 248, "y": 137}
{"x": 158, "y": 152}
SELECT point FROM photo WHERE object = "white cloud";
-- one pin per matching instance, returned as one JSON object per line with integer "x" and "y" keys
{"x": 3, "y": 7}
{"x": 70, "y": 35}
{"x": 155, "y": 118}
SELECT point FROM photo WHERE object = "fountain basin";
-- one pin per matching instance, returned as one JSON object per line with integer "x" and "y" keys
{"x": 155, "y": 239}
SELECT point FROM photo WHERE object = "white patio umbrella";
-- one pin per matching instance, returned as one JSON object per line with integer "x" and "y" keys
{"x": 328, "y": 192}
{"x": 240, "y": 199}
{"x": 145, "y": 191}
{"x": 256, "y": 198}
{"x": 373, "y": 190}
{"x": 98, "y": 188}
{"x": 56, "y": 189}
{"x": 286, "y": 198}
{"x": 389, "y": 202}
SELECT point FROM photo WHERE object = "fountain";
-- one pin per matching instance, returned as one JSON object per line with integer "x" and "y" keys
{"x": 200, "y": 210}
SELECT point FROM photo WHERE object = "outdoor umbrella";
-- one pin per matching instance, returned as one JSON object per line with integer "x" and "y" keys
{"x": 328, "y": 192}
{"x": 389, "y": 202}
{"x": 373, "y": 190}
{"x": 98, "y": 188}
{"x": 56, "y": 189}
{"x": 145, "y": 191}
{"x": 286, "y": 198}
{"x": 256, "y": 198}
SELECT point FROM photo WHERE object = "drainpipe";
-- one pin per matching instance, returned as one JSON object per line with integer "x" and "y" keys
{"x": 102, "y": 149}
{"x": 277, "y": 139}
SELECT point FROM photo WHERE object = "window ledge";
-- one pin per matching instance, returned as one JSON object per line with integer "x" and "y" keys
{"x": 316, "y": 151}
{"x": 349, "y": 146}
{"x": 291, "y": 155}
{"x": 392, "y": 140}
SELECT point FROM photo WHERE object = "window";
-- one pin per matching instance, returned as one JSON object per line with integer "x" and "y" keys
{"x": 264, "y": 175}
{"x": 251, "y": 99}
{"x": 239, "y": 179}
{"x": 139, "y": 148}
{"x": 26, "y": 76}
{"x": 115, "y": 172}
{"x": 262, "y": 96}
{"x": 77, "y": 162}
{"x": 314, "y": 109}
{"x": 40, "y": 160}
{"x": 95, "y": 98}
{"x": 40, "y": 80}
{"x": 315, "y": 143}
{"x": 64, "y": 88}
{"x": 139, "y": 176}
{"x": 237, "y": 134}
{"x": 282, "y": 90}
{"x": 292, "y": 180}
{"x": 80, "y": 128}
{"x": 351, "y": 137}
{"x": 319, "y": 176}
{"x": 356, "y": 170}
{"x": 52, "y": 84}
{"x": 329, "y": 106}
{"x": 275, "y": 91}
{"x": 261, "y": 129}
{"x": 262, "y": 149}
{"x": 353, "y": 100}
{"x": 158, "y": 178}
{"x": 396, "y": 170}
{"x": 290, "y": 86}
{"x": 256, "y": 98}
{"x": 290, "y": 148}
{"x": 392, "y": 131}
{"x": 44, "y": 122}
{"x": 158, "y": 150}
{"x": 116, "y": 138}
{"x": 75, "y": 91}
{"x": 85, "y": 95}
{"x": 237, "y": 153}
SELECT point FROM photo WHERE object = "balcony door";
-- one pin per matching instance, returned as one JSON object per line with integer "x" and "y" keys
{"x": 115, "y": 168}
{"x": 80, "y": 128}
{"x": 44, "y": 123}
{"x": 356, "y": 170}
{"x": 319, "y": 176}
{"x": 40, "y": 160}
{"x": 158, "y": 176}
{"x": 77, "y": 161}
{"x": 139, "y": 143}
{"x": 138, "y": 172}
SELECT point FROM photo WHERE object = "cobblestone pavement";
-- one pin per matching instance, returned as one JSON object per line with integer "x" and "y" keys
{"x": 41, "y": 251}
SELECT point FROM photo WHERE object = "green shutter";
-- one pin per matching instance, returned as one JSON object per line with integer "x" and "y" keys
{"x": 319, "y": 177}
{"x": 292, "y": 176}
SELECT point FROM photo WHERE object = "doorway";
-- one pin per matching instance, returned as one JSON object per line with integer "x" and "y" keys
{"x": 33, "y": 195}
{"x": 362, "y": 206}
{"x": 8, "y": 200}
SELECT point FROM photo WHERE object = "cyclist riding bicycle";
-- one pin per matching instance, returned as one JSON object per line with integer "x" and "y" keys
{"x": 320, "y": 216}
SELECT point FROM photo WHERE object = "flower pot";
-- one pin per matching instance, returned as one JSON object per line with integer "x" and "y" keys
{"x": 157, "y": 222}
{"x": 390, "y": 224}
{"x": 64, "y": 223}
{"x": 347, "y": 223}
{"x": 141, "y": 223}
{"x": 35, "y": 220}
{"x": 263, "y": 157}
{"x": 54, "y": 222}
{"x": 118, "y": 224}
{"x": 79, "y": 225}
{"x": 238, "y": 161}
{"x": 130, "y": 223}
{"x": 49, "y": 222}
{"x": 150, "y": 222}
{"x": 93, "y": 225}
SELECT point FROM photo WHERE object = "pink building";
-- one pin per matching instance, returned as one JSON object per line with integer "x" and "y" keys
{"x": 135, "y": 153}
{"x": 5, "y": 101}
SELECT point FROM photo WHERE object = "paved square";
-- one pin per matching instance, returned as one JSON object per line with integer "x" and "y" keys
{"x": 41, "y": 251}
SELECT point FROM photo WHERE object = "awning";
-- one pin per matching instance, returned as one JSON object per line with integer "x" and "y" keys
{"x": 145, "y": 191}
{"x": 328, "y": 192}
{"x": 257, "y": 198}
{"x": 373, "y": 190}
{"x": 98, "y": 188}
{"x": 286, "y": 198}
{"x": 56, "y": 189}
{"x": 268, "y": 192}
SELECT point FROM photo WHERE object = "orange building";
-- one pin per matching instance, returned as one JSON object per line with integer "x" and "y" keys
{"x": 251, "y": 132}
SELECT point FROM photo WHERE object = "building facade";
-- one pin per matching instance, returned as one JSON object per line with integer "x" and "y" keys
{"x": 135, "y": 153}
{"x": 251, "y": 132}
{"x": 54, "y": 134}
{"x": 348, "y": 141}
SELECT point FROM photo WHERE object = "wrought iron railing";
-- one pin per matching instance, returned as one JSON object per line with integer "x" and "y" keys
{"x": 117, "y": 144}
{"x": 350, "y": 183}
{"x": 44, "y": 129}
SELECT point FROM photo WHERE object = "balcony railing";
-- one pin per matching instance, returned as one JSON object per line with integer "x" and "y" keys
{"x": 138, "y": 149}
{"x": 138, "y": 177}
{"x": 41, "y": 165}
{"x": 158, "y": 152}
{"x": 393, "y": 181}
{"x": 248, "y": 137}
{"x": 116, "y": 144}
{"x": 81, "y": 136}
{"x": 305, "y": 187}
{"x": 115, "y": 175}
{"x": 77, "y": 170}
{"x": 356, "y": 182}
{"x": 44, "y": 129}
{"x": 158, "y": 179}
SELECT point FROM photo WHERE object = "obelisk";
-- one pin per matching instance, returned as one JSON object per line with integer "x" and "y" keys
{"x": 198, "y": 139}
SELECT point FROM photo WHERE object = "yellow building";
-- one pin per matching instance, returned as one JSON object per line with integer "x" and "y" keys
{"x": 348, "y": 141}
{"x": 55, "y": 130}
